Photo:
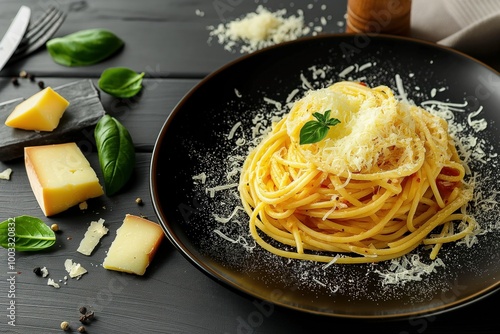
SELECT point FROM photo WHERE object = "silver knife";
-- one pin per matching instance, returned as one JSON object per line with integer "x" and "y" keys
{"x": 14, "y": 35}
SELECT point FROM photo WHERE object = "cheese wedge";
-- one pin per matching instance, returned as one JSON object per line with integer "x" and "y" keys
{"x": 40, "y": 112}
{"x": 135, "y": 245}
{"x": 60, "y": 176}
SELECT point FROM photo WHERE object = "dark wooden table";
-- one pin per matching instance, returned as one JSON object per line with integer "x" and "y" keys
{"x": 169, "y": 41}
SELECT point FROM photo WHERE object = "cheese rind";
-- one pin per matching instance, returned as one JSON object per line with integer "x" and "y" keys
{"x": 41, "y": 112}
{"x": 135, "y": 245}
{"x": 60, "y": 176}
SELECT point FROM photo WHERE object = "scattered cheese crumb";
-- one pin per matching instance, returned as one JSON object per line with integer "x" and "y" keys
{"x": 45, "y": 272}
{"x": 83, "y": 206}
{"x": 75, "y": 270}
{"x": 5, "y": 175}
{"x": 51, "y": 282}
{"x": 202, "y": 177}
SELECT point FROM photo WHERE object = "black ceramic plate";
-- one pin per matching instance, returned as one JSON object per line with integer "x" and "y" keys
{"x": 197, "y": 139}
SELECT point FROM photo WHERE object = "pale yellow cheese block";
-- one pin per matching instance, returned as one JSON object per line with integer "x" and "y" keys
{"x": 135, "y": 245}
{"x": 60, "y": 176}
{"x": 40, "y": 112}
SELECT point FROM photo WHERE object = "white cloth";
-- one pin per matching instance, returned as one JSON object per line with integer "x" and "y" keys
{"x": 470, "y": 26}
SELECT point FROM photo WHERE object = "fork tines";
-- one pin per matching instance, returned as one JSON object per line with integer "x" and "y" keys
{"x": 39, "y": 32}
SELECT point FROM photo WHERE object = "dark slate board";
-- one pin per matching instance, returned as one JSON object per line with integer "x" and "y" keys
{"x": 85, "y": 110}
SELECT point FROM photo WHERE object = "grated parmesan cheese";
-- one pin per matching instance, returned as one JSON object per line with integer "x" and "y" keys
{"x": 213, "y": 190}
{"x": 202, "y": 177}
{"x": 262, "y": 28}
{"x": 233, "y": 130}
{"x": 241, "y": 240}
{"x": 227, "y": 219}
{"x": 408, "y": 268}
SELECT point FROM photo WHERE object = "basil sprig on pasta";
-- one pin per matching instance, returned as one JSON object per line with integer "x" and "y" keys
{"x": 316, "y": 130}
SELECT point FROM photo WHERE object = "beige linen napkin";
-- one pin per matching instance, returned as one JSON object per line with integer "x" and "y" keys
{"x": 470, "y": 26}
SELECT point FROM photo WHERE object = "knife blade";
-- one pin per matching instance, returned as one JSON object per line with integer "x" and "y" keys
{"x": 14, "y": 35}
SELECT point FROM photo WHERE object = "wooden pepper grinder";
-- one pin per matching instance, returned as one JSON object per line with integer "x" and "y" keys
{"x": 379, "y": 16}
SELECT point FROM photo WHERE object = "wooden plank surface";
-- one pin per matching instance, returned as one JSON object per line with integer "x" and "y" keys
{"x": 162, "y": 38}
{"x": 168, "y": 40}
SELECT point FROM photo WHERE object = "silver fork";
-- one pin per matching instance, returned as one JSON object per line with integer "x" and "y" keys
{"x": 39, "y": 32}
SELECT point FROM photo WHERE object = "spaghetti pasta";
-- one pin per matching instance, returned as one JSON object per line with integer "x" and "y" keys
{"x": 385, "y": 180}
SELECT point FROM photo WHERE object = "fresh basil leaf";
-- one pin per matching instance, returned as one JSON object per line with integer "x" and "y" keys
{"x": 332, "y": 122}
{"x": 312, "y": 132}
{"x": 116, "y": 153}
{"x": 26, "y": 233}
{"x": 322, "y": 117}
{"x": 83, "y": 48}
{"x": 121, "y": 82}
{"x": 315, "y": 130}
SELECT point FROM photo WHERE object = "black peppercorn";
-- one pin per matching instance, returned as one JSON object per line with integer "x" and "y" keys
{"x": 90, "y": 315}
{"x": 41, "y": 84}
{"x": 83, "y": 310}
{"x": 38, "y": 271}
{"x": 15, "y": 81}
{"x": 86, "y": 317}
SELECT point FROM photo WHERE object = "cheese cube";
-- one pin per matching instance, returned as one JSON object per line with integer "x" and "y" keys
{"x": 60, "y": 176}
{"x": 134, "y": 246}
{"x": 40, "y": 112}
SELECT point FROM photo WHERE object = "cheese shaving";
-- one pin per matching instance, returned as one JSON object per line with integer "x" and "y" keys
{"x": 93, "y": 235}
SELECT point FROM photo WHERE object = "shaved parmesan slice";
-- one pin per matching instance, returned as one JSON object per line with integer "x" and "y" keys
{"x": 75, "y": 270}
{"x": 94, "y": 233}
